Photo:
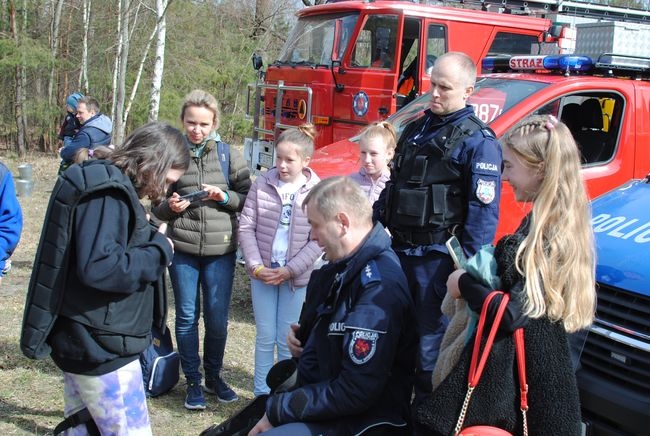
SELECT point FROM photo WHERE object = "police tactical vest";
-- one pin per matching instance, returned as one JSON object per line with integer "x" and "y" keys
{"x": 48, "y": 296}
{"x": 426, "y": 199}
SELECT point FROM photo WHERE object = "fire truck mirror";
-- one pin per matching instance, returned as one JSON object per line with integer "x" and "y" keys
{"x": 555, "y": 31}
{"x": 257, "y": 61}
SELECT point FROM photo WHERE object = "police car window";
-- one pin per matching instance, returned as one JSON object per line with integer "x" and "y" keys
{"x": 594, "y": 119}
{"x": 375, "y": 45}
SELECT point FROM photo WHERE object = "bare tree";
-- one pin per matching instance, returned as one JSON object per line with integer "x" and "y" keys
{"x": 123, "y": 57}
{"x": 159, "y": 63}
{"x": 20, "y": 90}
{"x": 160, "y": 13}
{"x": 54, "y": 46}
{"x": 116, "y": 62}
{"x": 262, "y": 15}
{"x": 83, "y": 71}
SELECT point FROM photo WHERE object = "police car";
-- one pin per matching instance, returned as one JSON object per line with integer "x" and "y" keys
{"x": 614, "y": 374}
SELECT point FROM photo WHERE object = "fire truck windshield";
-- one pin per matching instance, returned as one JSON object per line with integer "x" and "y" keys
{"x": 312, "y": 39}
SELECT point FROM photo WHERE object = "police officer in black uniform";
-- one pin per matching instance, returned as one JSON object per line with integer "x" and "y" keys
{"x": 355, "y": 371}
{"x": 445, "y": 181}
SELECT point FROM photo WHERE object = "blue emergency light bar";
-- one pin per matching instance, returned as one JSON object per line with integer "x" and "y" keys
{"x": 562, "y": 63}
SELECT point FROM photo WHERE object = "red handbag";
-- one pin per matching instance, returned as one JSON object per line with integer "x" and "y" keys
{"x": 477, "y": 365}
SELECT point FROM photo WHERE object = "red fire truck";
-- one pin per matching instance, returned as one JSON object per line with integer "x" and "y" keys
{"x": 350, "y": 63}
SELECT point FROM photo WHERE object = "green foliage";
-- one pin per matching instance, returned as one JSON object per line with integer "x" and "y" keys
{"x": 29, "y": 53}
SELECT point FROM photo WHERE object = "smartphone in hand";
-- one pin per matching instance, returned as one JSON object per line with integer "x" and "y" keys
{"x": 456, "y": 252}
{"x": 194, "y": 196}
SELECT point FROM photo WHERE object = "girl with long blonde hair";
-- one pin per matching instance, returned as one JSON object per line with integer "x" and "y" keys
{"x": 548, "y": 268}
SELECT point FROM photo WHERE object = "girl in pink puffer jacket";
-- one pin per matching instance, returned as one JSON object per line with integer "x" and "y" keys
{"x": 274, "y": 238}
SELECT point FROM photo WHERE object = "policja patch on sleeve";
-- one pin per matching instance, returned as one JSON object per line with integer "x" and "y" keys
{"x": 363, "y": 345}
{"x": 486, "y": 190}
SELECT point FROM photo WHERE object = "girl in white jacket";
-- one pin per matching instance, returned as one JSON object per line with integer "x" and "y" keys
{"x": 274, "y": 238}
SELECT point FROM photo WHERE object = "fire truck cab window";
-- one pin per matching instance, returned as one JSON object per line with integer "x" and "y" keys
{"x": 513, "y": 44}
{"x": 375, "y": 46}
{"x": 594, "y": 119}
{"x": 436, "y": 45}
{"x": 409, "y": 78}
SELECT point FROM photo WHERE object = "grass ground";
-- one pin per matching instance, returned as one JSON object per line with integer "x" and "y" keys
{"x": 31, "y": 392}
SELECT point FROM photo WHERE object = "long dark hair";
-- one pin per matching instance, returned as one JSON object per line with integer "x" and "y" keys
{"x": 148, "y": 154}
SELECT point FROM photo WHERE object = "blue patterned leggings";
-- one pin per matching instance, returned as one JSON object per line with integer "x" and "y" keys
{"x": 115, "y": 400}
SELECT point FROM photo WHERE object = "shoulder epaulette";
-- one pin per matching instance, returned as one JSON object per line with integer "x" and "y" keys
{"x": 370, "y": 273}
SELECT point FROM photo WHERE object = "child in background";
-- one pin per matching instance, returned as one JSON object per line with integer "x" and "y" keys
{"x": 274, "y": 238}
{"x": 377, "y": 147}
{"x": 99, "y": 152}
{"x": 70, "y": 125}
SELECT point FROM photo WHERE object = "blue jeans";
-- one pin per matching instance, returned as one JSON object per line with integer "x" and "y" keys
{"x": 275, "y": 308}
{"x": 214, "y": 275}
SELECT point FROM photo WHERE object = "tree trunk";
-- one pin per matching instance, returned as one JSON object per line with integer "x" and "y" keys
{"x": 4, "y": 18}
{"x": 116, "y": 64}
{"x": 160, "y": 12}
{"x": 18, "y": 102}
{"x": 66, "y": 55}
{"x": 262, "y": 15}
{"x": 83, "y": 73}
{"x": 159, "y": 63}
{"x": 123, "y": 54}
{"x": 54, "y": 47}
{"x": 22, "y": 148}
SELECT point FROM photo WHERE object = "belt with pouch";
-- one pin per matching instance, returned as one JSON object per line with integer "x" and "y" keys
{"x": 421, "y": 238}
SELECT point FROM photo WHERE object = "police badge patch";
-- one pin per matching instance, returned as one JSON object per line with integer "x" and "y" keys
{"x": 363, "y": 346}
{"x": 486, "y": 191}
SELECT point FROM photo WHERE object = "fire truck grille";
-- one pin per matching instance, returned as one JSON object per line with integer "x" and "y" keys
{"x": 618, "y": 346}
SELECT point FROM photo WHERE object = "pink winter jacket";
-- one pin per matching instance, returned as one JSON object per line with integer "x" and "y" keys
{"x": 372, "y": 188}
{"x": 259, "y": 221}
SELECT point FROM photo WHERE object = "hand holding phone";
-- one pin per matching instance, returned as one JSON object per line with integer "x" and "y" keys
{"x": 194, "y": 196}
{"x": 456, "y": 252}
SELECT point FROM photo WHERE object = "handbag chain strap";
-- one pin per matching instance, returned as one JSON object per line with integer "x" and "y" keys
{"x": 477, "y": 363}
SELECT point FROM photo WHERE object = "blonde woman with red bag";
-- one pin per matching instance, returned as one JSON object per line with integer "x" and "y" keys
{"x": 547, "y": 268}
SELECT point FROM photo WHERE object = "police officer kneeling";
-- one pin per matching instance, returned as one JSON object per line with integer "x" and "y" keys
{"x": 355, "y": 372}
